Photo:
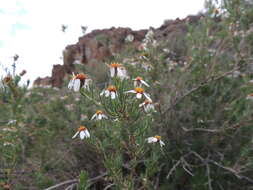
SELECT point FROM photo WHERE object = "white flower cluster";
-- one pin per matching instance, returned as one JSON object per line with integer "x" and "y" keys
{"x": 116, "y": 71}
{"x": 149, "y": 40}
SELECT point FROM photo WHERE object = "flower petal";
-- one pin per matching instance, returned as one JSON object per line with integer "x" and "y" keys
{"x": 143, "y": 82}
{"x": 112, "y": 71}
{"x": 122, "y": 73}
{"x": 82, "y": 134}
{"x": 113, "y": 95}
{"x": 107, "y": 93}
{"x": 149, "y": 107}
{"x": 71, "y": 84}
{"x": 77, "y": 84}
{"x": 104, "y": 116}
{"x": 130, "y": 91}
{"x": 87, "y": 134}
{"x": 142, "y": 104}
{"x": 99, "y": 117}
{"x": 87, "y": 84}
{"x": 93, "y": 117}
{"x": 161, "y": 143}
{"x": 151, "y": 139}
{"x": 102, "y": 93}
{"x": 147, "y": 96}
{"x": 75, "y": 135}
{"x": 139, "y": 95}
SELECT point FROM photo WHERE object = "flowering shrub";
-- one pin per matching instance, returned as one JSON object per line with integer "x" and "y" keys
{"x": 174, "y": 114}
{"x": 124, "y": 127}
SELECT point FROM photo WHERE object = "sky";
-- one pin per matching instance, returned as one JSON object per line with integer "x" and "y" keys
{"x": 32, "y": 28}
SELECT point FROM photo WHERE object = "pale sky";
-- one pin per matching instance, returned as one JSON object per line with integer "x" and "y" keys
{"x": 32, "y": 28}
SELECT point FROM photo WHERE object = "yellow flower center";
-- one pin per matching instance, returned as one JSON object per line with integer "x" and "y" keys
{"x": 158, "y": 137}
{"x": 139, "y": 90}
{"x": 111, "y": 88}
{"x": 99, "y": 112}
{"x": 115, "y": 65}
{"x": 82, "y": 128}
{"x": 139, "y": 78}
{"x": 81, "y": 76}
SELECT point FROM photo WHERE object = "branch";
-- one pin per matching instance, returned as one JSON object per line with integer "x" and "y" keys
{"x": 206, "y": 161}
{"x": 108, "y": 186}
{"x": 202, "y": 130}
{"x": 91, "y": 99}
{"x": 68, "y": 182}
{"x": 63, "y": 183}
{"x": 232, "y": 171}
{"x": 173, "y": 169}
{"x": 71, "y": 187}
{"x": 209, "y": 177}
{"x": 176, "y": 165}
{"x": 211, "y": 79}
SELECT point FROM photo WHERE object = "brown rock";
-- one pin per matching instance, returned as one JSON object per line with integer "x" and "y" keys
{"x": 58, "y": 74}
{"x": 43, "y": 81}
{"x": 91, "y": 48}
{"x": 97, "y": 45}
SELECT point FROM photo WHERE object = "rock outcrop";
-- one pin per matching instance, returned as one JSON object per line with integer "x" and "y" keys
{"x": 93, "y": 47}
{"x": 97, "y": 45}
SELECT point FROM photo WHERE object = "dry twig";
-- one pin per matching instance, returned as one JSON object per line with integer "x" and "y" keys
{"x": 204, "y": 83}
{"x": 75, "y": 181}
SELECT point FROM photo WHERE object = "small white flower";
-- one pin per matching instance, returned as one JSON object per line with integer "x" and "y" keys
{"x": 110, "y": 91}
{"x": 12, "y": 122}
{"x": 83, "y": 132}
{"x": 78, "y": 81}
{"x": 99, "y": 115}
{"x": 139, "y": 92}
{"x": 250, "y": 97}
{"x": 8, "y": 144}
{"x": 150, "y": 34}
{"x": 155, "y": 139}
{"x": 146, "y": 66}
{"x": 117, "y": 70}
{"x": 138, "y": 81}
{"x": 148, "y": 106}
{"x": 129, "y": 38}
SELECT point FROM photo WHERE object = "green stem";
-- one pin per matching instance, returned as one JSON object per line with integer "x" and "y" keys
{"x": 91, "y": 99}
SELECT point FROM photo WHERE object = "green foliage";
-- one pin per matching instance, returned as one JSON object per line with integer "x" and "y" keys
{"x": 200, "y": 84}
{"x": 83, "y": 185}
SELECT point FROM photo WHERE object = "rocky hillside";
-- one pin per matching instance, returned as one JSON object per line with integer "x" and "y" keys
{"x": 98, "y": 45}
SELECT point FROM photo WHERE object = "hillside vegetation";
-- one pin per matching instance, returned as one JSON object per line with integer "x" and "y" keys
{"x": 189, "y": 125}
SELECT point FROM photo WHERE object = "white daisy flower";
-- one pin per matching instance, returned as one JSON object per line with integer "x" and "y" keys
{"x": 99, "y": 115}
{"x": 117, "y": 70}
{"x": 110, "y": 91}
{"x": 138, "y": 81}
{"x": 78, "y": 81}
{"x": 139, "y": 92}
{"x": 148, "y": 106}
{"x": 155, "y": 139}
{"x": 250, "y": 97}
{"x": 83, "y": 132}
{"x": 12, "y": 122}
{"x": 129, "y": 38}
